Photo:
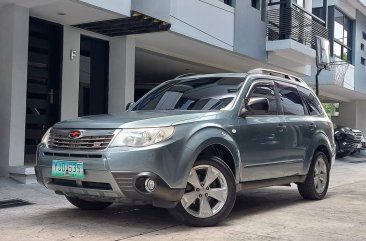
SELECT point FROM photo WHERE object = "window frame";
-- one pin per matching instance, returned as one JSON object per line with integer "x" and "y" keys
{"x": 321, "y": 111}
{"x": 349, "y": 44}
{"x": 255, "y": 83}
{"x": 277, "y": 83}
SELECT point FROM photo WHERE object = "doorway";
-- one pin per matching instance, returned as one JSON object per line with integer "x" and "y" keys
{"x": 43, "y": 82}
{"x": 93, "y": 80}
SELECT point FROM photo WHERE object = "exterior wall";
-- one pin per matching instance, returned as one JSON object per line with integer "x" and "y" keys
{"x": 249, "y": 40}
{"x": 159, "y": 9}
{"x": 209, "y": 21}
{"x": 118, "y": 6}
{"x": 14, "y": 28}
{"x": 360, "y": 70}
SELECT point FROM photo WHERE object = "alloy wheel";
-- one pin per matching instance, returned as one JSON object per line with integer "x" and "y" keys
{"x": 320, "y": 175}
{"x": 206, "y": 191}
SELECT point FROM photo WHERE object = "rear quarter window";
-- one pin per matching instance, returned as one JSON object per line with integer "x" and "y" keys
{"x": 311, "y": 102}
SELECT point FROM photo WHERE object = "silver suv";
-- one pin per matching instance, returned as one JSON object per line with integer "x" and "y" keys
{"x": 191, "y": 144}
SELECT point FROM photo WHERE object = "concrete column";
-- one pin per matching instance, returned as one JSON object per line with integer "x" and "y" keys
{"x": 121, "y": 73}
{"x": 14, "y": 29}
{"x": 70, "y": 73}
{"x": 309, "y": 5}
{"x": 347, "y": 114}
{"x": 361, "y": 116}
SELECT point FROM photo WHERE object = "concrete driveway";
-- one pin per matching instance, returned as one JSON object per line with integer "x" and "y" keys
{"x": 277, "y": 213}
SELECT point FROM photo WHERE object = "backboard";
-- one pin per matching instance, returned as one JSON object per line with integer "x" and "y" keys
{"x": 322, "y": 53}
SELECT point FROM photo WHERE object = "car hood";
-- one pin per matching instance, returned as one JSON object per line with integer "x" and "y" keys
{"x": 136, "y": 119}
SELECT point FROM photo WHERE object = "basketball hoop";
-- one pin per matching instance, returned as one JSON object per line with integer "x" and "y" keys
{"x": 340, "y": 69}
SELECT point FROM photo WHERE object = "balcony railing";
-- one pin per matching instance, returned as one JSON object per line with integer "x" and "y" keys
{"x": 294, "y": 23}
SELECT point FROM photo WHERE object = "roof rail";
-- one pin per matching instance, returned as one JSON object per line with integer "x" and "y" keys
{"x": 275, "y": 73}
{"x": 184, "y": 75}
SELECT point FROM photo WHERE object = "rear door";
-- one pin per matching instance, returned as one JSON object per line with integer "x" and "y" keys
{"x": 262, "y": 136}
{"x": 314, "y": 118}
{"x": 298, "y": 129}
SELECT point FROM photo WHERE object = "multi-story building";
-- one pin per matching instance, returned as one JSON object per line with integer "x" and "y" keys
{"x": 346, "y": 84}
{"x": 61, "y": 59}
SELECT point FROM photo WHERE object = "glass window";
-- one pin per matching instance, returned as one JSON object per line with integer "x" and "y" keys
{"x": 228, "y": 2}
{"x": 300, "y": 3}
{"x": 256, "y": 4}
{"x": 266, "y": 90}
{"x": 214, "y": 93}
{"x": 290, "y": 100}
{"x": 311, "y": 101}
{"x": 342, "y": 47}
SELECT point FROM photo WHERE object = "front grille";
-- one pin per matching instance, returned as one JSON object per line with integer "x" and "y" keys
{"x": 63, "y": 142}
{"x": 72, "y": 155}
{"x": 358, "y": 134}
{"x": 83, "y": 184}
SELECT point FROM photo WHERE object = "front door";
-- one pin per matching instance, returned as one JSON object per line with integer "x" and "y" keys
{"x": 93, "y": 82}
{"x": 43, "y": 84}
{"x": 262, "y": 137}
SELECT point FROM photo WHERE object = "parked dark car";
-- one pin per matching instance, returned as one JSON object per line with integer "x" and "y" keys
{"x": 347, "y": 140}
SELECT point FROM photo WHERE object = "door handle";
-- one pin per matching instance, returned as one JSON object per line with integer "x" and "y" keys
{"x": 281, "y": 127}
{"x": 51, "y": 93}
{"x": 312, "y": 126}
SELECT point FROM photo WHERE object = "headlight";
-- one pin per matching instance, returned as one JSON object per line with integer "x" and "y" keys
{"x": 142, "y": 137}
{"x": 46, "y": 136}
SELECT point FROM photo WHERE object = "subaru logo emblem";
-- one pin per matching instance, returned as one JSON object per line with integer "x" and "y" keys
{"x": 75, "y": 134}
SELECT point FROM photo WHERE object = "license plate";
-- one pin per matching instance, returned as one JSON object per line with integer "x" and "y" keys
{"x": 73, "y": 169}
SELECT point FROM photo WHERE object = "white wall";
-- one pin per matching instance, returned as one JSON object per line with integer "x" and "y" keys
{"x": 159, "y": 9}
{"x": 210, "y": 21}
{"x": 121, "y": 73}
{"x": 118, "y": 6}
{"x": 14, "y": 28}
{"x": 70, "y": 73}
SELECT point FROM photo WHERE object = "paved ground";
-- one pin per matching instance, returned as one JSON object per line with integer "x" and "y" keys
{"x": 276, "y": 213}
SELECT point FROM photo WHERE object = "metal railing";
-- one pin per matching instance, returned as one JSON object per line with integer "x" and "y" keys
{"x": 293, "y": 22}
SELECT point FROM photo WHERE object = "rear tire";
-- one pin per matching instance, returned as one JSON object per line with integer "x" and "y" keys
{"x": 87, "y": 205}
{"x": 316, "y": 184}
{"x": 210, "y": 194}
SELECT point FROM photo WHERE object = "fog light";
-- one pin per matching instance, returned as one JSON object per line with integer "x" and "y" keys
{"x": 150, "y": 185}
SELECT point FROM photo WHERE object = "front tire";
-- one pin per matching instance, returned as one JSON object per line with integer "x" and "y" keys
{"x": 87, "y": 205}
{"x": 316, "y": 184}
{"x": 210, "y": 193}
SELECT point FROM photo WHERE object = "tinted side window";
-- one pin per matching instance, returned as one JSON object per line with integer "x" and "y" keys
{"x": 311, "y": 101}
{"x": 266, "y": 90}
{"x": 291, "y": 100}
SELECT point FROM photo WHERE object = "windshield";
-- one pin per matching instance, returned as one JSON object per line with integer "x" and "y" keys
{"x": 213, "y": 93}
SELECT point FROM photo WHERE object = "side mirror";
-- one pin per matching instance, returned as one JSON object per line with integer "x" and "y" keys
{"x": 256, "y": 105}
{"x": 129, "y": 105}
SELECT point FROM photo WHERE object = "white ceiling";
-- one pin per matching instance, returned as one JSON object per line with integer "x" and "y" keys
{"x": 76, "y": 13}
{"x": 197, "y": 56}
{"x": 28, "y": 3}
{"x": 155, "y": 68}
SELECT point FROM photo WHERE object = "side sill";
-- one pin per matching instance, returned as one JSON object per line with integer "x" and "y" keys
{"x": 270, "y": 182}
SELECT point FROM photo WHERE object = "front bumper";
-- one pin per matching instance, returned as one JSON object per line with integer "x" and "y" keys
{"x": 118, "y": 174}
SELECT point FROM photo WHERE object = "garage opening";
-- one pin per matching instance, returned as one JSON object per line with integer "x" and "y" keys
{"x": 154, "y": 68}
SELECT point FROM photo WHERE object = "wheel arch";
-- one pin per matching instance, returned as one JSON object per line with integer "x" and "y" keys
{"x": 320, "y": 143}
{"x": 217, "y": 141}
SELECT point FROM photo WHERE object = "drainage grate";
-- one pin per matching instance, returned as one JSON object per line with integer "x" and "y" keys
{"x": 10, "y": 203}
